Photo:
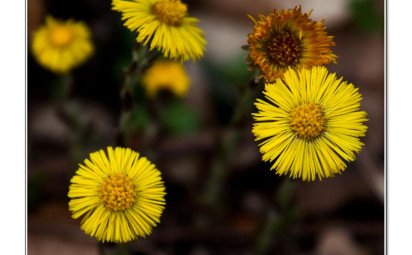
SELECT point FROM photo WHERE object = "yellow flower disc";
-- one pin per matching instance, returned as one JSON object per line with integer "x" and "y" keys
{"x": 61, "y": 36}
{"x": 307, "y": 120}
{"x": 117, "y": 192}
{"x": 170, "y": 12}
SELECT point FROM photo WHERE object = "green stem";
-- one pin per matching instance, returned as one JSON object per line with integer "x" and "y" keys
{"x": 227, "y": 144}
{"x": 100, "y": 247}
{"x": 142, "y": 59}
{"x": 113, "y": 249}
{"x": 68, "y": 111}
{"x": 279, "y": 220}
{"x": 63, "y": 88}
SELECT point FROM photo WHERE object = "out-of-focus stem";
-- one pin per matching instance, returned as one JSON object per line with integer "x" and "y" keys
{"x": 226, "y": 144}
{"x": 113, "y": 249}
{"x": 69, "y": 113}
{"x": 279, "y": 219}
{"x": 142, "y": 58}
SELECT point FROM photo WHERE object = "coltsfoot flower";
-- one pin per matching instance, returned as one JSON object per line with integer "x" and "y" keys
{"x": 166, "y": 74}
{"x": 119, "y": 196}
{"x": 310, "y": 124}
{"x": 62, "y": 45}
{"x": 287, "y": 38}
{"x": 165, "y": 26}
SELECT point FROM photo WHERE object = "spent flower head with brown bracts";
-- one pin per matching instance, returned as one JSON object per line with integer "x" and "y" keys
{"x": 163, "y": 25}
{"x": 309, "y": 124}
{"x": 287, "y": 38}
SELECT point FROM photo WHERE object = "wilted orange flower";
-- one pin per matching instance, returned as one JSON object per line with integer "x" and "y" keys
{"x": 288, "y": 38}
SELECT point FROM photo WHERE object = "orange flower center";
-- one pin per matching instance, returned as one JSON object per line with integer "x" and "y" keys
{"x": 308, "y": 121}
{"x": 61, "y": 36}
{"x": 284, "y": 48}
{"x": 170, "y": 12}
{"x": 118, "y": 192}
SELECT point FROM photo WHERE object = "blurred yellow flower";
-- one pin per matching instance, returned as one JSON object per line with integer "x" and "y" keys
{"x": 310, "y": 124}
{"x": 62, "y": 45}
{"x": 169, "y": 75}
{"x": 287, "y": 38}
{"x": 119, "y": 196}
{"x": 164, "y": 25}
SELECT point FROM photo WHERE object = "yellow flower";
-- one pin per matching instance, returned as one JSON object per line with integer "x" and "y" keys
{"x": 310, "y": 124}
{"x": 168, "y": 75}
{"x": 119, "y": 196}
{"x": 164, "y": 25}
{"x": 287, "y": 38}
{"x": 62, "y": 45}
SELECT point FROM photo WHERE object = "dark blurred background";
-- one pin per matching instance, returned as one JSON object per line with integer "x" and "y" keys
{"x": 219, "y": 200}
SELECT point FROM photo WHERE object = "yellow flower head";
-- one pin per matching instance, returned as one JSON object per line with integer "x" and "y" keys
{"x": 288, "y": 38}
{"x": 168, "y": 75}
{"x": 62, "y": 45}
{"x": 164, "y": 25}
{"x": 120, "y": 196}
{"x": 310, "y": 124}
